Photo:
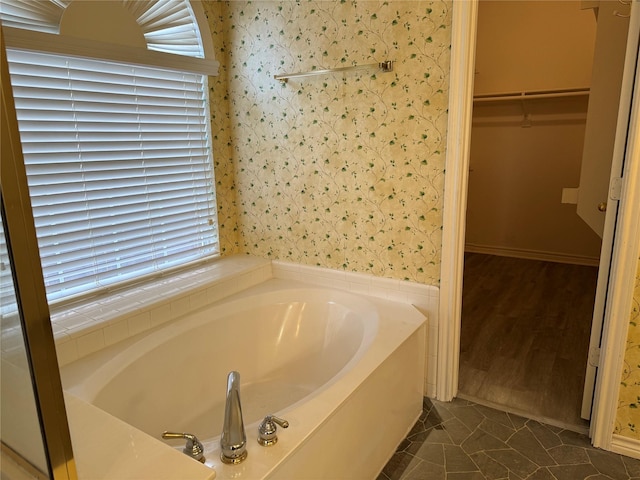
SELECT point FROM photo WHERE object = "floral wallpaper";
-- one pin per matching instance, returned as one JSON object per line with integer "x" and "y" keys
{"x": 343, "y": 170}
{"x": 628, "y": 418}
{"x": 228, "y": 230}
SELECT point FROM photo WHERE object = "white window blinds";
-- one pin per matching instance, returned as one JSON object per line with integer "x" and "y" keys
{"x": 119, "y": 168}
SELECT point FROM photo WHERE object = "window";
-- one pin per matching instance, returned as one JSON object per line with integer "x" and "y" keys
{"x": 119, "y": 166}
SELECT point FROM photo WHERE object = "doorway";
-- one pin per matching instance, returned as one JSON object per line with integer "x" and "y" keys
{"x": 530, "y": 262}
{"x": 623, "y": 214}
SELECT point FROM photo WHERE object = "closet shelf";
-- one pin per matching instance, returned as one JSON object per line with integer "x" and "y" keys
{"x": 531, "y": 95}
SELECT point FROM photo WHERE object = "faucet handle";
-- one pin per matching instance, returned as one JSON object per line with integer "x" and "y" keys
{"x": 193, "y": 448}
{"x": 267, "y": 430}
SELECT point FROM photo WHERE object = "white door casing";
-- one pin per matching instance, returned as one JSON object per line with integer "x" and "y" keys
{"x": 624, "y": 260}
{"x": 613, "y": 174}
{"x": 463, "y": 50}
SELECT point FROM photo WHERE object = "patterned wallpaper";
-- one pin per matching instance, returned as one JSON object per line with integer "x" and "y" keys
{"x": 342, "y": 171}
{"x": 228, "y": 230}
{"x": 628, "y": 418}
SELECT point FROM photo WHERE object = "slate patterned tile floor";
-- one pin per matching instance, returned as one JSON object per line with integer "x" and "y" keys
{"x": 462, "y": 440}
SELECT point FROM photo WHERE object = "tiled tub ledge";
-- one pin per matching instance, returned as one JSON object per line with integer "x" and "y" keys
{"x": 85, "y": 328}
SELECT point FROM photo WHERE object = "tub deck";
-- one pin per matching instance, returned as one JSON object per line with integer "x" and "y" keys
{"x": 382, "y": 379}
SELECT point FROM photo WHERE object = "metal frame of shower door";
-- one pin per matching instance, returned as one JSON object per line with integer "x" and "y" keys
{"x": 30, "y": 290}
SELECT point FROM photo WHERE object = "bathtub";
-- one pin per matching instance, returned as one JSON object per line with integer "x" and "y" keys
{"x": 346, "y": 371}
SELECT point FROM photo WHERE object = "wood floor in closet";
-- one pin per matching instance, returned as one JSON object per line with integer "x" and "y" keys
{"x": 525, "y": 335}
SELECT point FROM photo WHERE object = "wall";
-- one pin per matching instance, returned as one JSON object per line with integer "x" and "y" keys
{"x": 532, "y": 45}
{"x": 520, "y": 166}
{"x": 221, "y": 129}
{"x": 628, "y": 417}
{"x": 342, "y": 171}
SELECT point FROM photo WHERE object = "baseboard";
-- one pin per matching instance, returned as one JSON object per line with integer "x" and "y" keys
{"x": 581, "y": 429}
{"x": 532, "y": 255}
{"x": 625, "y": 446}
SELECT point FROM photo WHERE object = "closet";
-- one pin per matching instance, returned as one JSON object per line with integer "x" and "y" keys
{"x": 531, "y": 258}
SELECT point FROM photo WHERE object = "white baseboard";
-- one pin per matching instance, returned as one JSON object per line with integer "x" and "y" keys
{"x": 532, "y": 255}
{"x": 625, "y": 446}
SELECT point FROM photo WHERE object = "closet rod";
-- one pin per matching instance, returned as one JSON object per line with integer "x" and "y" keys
{"x": 497, "y": 97}
{"x": 386, "y": 66}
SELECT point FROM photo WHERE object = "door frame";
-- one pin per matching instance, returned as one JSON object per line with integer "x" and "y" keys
{"x": 615, "y": 221}
{"x": 624, "y": 254}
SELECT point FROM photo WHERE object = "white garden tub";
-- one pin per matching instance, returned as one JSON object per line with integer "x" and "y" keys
{"x": 337, "y": 366}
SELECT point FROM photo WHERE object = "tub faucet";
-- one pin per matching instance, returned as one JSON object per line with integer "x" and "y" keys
{"x": 233, "y": 443}
{"x": 193, "y": 448}
{"x": 267, "y": 430}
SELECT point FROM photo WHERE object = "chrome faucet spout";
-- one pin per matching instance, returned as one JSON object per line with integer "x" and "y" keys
{"x": 233, "y": 443}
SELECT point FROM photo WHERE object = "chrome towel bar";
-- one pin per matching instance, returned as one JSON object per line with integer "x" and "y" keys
{"x": 386, "y": 66}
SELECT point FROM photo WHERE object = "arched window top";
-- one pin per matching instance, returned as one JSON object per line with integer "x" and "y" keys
{"x": 113, "y": 111}
{"x": 169, "y": 26}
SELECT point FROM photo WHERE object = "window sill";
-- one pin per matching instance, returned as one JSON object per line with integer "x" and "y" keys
{"x": 84, "y": 328}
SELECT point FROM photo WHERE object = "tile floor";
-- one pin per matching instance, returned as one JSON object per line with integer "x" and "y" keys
{"x": 465, "y": 441}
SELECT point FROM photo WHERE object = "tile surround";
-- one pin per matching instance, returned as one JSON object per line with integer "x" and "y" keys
{"x": 86, "y": 328}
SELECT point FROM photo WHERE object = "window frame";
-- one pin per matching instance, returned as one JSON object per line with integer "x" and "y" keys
{"x": 58, "y": 44}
